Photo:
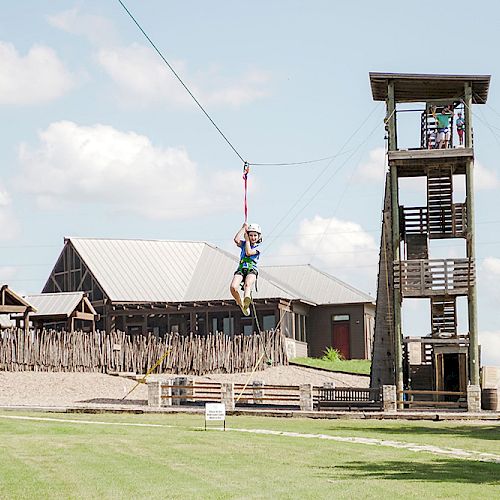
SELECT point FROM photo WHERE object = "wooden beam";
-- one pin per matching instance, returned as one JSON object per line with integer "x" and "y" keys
{"x": 82, "y": 315}
{"x": 12, "y": 309}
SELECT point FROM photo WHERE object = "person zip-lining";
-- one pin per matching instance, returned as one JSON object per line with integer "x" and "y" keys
{"x": 247, "y": 271}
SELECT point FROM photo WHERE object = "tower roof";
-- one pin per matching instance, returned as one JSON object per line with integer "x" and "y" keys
{"x": 413, "y": 87}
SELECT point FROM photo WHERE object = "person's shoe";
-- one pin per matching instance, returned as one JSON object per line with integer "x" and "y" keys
{"x": 246, "y": 306}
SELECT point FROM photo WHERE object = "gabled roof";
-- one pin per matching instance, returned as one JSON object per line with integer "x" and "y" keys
{"x": 11, "y": 302}
{"x": 165, "y": 271}
{"x": 316, "y": 286}
{"x": 58, "y": 304}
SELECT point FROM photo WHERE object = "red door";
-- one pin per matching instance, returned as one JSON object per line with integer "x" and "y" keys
{"x": 340, "y": 339}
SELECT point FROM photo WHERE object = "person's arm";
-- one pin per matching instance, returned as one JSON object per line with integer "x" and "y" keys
{"x": 248, "y": 249}
{"x": 239, "y": 235}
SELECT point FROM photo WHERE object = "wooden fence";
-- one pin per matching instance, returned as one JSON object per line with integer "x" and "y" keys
{"x": 118, "y": 352}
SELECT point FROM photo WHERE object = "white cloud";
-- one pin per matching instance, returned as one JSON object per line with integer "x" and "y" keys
{"x": 8, "y": 221}
{"x": 96, "y": 29}
{"x": 375, "y": 167}
{"x": 123, "y": 170}
{"x": 492, "y": 266}
{"x": 6, "y": 274}
{"x": 334, "y": 243}
{"x": 490, "y": 348}
{"x": 39, "y": 76}
{"x": 484, "y": 178}
{"x": 5, "y": 199}
{"x": 144, "y": 78}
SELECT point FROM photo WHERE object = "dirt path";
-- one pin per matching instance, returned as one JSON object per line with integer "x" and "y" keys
{"x": 63, "y": 389}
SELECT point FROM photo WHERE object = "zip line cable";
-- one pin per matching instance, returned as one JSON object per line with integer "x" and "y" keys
{"x": 203, "y": 109}
{"x": 321, "y": 173}
{"x": 180, "y": 80}
{"x": 307, "y": 162}
{"x": 339, "y": 202}
{"x": 336, "y": 171}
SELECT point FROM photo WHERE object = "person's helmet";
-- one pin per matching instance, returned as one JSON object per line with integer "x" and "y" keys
{"x": 256, "y": 229}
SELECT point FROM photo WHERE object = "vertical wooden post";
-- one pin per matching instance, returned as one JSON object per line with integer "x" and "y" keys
{"x": 391, "y": 118}
{"x": 471, "y": 253}
{"x": 393, "y": 145}
{"x": 26, "y": 320}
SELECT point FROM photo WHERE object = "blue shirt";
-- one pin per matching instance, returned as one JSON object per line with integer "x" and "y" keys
{"x": 248, "y": 261}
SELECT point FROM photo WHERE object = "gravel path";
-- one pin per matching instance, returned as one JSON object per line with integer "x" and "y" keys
{"x": 64, "y": 389}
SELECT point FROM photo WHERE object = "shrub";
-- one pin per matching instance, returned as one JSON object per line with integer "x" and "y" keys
{"x": 331, "y": 354}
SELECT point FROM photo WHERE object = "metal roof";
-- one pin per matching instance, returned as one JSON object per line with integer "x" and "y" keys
{"x": 56, "y": 304}
{"x": 316, "y": 286}
{"x": 165, "y": 271}
{"x": 412, "y": 87}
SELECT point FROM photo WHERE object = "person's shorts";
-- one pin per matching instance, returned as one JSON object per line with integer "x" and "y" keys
{"x": 443, "y": 134}
{"x": 246, "y": 272}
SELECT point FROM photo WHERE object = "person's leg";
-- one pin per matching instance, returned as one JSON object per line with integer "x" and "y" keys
{"x": 446, "y": 139}
{"x": 234, "y": 288}
{"x": 249, "y": 282}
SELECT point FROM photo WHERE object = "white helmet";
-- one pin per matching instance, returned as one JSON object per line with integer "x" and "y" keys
{"x": 256, "y": 229}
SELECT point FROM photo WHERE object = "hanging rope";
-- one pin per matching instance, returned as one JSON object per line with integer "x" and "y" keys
{"x": 246, "y": 170}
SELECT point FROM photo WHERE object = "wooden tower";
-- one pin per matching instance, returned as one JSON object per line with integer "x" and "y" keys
{"x": 442, "y": 358}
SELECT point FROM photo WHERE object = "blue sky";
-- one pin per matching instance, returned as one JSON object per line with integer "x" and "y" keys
{"x": 99, "y": 140}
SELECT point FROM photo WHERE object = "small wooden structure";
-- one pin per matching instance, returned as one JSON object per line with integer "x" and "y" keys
{"x": 12, "y": 303}
{"x": 63, "y": 311}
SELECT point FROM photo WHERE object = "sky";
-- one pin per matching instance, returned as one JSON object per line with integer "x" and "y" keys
{"x": 101, "y": 140}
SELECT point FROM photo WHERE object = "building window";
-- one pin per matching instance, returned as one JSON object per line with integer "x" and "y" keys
{"x": 228, "y": 326}
{"x": 268, "y": 322}
{"x": 300, "y": 328}
{"x": 341, "y": 317}
{"x": 287, "y": 324}
{"x": 247, "y": 330}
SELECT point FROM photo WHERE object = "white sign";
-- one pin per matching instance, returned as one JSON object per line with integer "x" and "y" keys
{"x": 215, "y": 411}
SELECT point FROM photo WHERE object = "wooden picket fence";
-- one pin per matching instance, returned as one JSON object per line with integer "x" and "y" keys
{"x": 117, "y": 352}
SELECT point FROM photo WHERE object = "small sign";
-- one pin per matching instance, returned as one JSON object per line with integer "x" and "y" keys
{"x": 215, "y": 412}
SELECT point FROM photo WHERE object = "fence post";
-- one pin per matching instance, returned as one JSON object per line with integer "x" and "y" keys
{"x": 187, "y": 392}
{"x": 306, "y": 397}
{"x": 227, "y": 395}
{"x": 389, "y": 398}
{"x": 154, "y": 393}
{"x": 258, "y": 391}
{"x": 474, "y": 398}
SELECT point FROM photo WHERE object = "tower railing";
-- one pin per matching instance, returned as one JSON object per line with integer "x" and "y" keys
{"x": 430, "y": 277}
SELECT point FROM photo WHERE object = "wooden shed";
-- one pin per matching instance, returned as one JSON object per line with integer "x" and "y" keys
{"x": 63, "y": 311}
{"x": 11, "y": 303}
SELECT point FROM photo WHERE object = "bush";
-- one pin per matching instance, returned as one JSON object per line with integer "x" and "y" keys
{"x": 331, "y": 354}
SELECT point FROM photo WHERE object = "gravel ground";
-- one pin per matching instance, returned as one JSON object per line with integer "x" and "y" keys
{"x": 68, "y": 389}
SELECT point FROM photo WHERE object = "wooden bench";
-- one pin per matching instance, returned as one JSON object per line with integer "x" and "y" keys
{"x": 358, "y": 398}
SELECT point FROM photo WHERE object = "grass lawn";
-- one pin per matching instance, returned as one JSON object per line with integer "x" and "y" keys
{"x": 356, "y": 366}
{"x": 55, "y": 459}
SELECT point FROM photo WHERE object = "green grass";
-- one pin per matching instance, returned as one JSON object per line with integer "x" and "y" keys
{"x": 356, "y": 366}
{"x": 46, "y": 459}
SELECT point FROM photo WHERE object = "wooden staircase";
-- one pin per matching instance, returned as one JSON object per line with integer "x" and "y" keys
{"x": 440, "y": 203}
{"x": 444, "y": 316}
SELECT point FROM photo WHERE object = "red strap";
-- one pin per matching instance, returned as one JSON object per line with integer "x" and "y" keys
{"x": 246, "y": 170}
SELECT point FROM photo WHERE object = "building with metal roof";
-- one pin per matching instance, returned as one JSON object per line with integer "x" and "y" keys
{"x": 343, "y": 316}
{"x": 182, "y": 286}
{"x": 66, "y": 311}
{"x": 12, "y": 303}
